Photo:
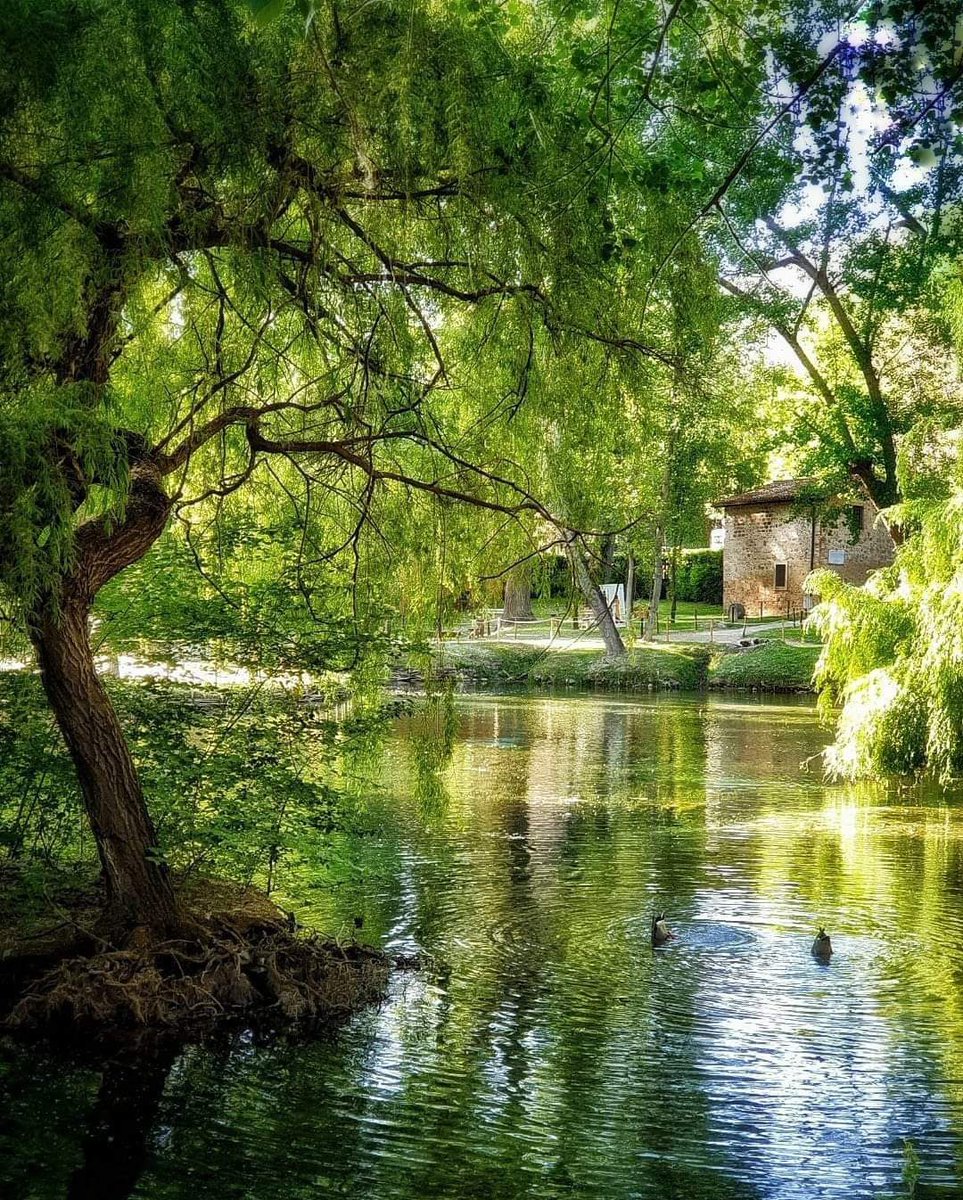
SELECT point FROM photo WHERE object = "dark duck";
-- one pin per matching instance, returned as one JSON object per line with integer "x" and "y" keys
{"x": 661, "y": 933}
{"x": 822, "y": 947}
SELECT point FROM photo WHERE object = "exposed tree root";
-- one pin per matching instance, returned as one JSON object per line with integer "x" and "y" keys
{"x": 241, "y": 961}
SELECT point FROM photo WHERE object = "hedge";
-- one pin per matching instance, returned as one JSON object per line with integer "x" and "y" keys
{"x": 699, "y": 576}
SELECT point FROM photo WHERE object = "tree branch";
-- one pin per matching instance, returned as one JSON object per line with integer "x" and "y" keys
{"x": 106, "y": 233}
{"x": 809, "y": 366}
{"x": 104, "y": 546}
{"x": 739, "y": 165}
{"x": 344, "y": 451}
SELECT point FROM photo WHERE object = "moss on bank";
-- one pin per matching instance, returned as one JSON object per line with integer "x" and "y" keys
{"x": 773, "y": 666}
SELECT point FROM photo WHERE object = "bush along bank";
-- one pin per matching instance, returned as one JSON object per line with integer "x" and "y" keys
{"x": 773, "y": 666}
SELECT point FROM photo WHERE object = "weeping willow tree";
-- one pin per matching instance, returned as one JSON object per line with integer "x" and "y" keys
{"x": 892, "y": 663}
{"x": 893, "y": 655}
{"x": 256, "y": 259}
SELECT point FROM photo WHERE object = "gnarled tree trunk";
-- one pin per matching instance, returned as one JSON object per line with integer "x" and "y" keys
{"x": 139, "y": 890}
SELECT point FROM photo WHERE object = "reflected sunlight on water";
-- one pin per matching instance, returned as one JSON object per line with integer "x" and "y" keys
{"x": 551, "y": 1052}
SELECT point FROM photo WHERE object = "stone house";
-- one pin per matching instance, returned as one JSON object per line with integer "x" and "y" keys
{"x": 775, "y": 535}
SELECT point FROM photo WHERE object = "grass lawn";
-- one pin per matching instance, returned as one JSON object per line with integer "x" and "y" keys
{"x": 687, "y": 613}
{"x": 686, "y": 610}
{"x": 773, "y": 666}
{"x": 656, "y": 666}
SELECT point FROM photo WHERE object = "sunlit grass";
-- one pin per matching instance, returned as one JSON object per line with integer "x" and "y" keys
{"x": 773, "y": 665}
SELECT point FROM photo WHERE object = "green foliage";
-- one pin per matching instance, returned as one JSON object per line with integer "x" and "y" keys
{"x": 39, "y": 795}
{"x": 699, "y": 577}
{"x": 236, "y": 591}
{"x": 244, "y": 783}
{"x": 893, "y": 656}
{"x": 433, "y": 255}
{"x": 58, "y": 458}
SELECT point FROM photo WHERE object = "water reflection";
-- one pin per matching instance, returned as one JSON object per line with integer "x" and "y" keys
{"x": 116, "y": 1143}
{"x": 553, "y": 1053}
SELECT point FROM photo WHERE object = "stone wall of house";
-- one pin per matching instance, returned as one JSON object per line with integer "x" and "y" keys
{"x": 757, "y": 538}
{"x": 873, "y": 548}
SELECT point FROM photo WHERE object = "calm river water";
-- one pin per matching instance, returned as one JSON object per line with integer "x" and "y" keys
{"x": 550, "y": 1052}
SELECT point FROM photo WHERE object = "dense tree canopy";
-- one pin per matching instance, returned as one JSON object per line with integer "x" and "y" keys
{"x": 348, "y": 305}
{"x": 246, "y": 254}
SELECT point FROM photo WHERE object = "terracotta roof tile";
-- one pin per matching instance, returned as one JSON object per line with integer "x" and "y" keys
{"x": 780, "y": 491}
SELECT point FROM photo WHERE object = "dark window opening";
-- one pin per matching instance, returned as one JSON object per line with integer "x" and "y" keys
{"x": 780, "y": 576}
{"x": 858, "y": 518}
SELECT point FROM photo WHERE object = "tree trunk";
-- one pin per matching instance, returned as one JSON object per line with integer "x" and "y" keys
{"x": 652, "y": 621}
{"x": 673, "y": 580}
{"x": 658, "y": 541}
{"x": 614, "y": 646}
{"x": 139, "y": 890}
{"x": 883, "y": 492}
{"x": 518, "y": 594}
{"x": 629, "y": 590}
{"x": 608, "y": 558}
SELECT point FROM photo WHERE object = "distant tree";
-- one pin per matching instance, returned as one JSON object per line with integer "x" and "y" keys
{"x": 841, "y": 259}
{"x": 518, "y": 593}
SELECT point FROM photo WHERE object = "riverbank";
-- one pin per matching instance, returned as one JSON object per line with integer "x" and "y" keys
{"x": 238, "y": 959}
{"x": 772, "y": 666}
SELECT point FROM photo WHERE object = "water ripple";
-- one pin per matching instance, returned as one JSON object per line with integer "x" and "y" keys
{"x": 549, "y": 1052}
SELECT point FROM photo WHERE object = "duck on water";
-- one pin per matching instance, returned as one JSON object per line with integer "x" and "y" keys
{"x": 661, "y": 933}
{"x": 822, "y": 949}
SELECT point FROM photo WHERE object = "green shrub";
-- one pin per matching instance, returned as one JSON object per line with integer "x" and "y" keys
{"x": 699, "y": 577}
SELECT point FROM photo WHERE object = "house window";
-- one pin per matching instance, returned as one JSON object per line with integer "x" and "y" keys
{"x": 781, "y": 572}
{"x": 857, "y": 519}
{"x": 836, "y": 558}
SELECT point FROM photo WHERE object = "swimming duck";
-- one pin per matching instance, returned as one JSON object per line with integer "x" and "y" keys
{"x": 661, "y": 933}
{"x": 822, "y": 946}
